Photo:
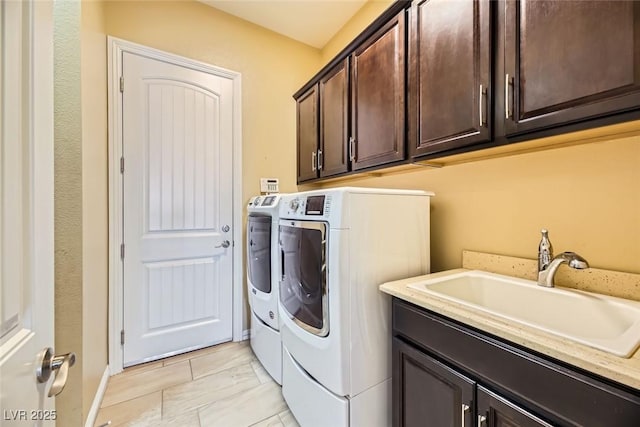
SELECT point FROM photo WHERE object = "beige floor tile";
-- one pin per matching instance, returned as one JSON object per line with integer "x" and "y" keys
{"x": 201, "y": 352}
{"x": 221, "y": 360}
{"x": 127, "y": 386}
{"x": 269, "y": 422}
{"x": 288, "y": 420}
{"x": 189, "y": 419}
{"x": 261, "y": 373}
{"x": 143, "y": 367}
{"x": 144, "y": 410}
{"x": 208, "y": 389}
{"x": 247, "y": 408}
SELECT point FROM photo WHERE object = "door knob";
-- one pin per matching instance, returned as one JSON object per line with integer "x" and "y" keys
{"x": 48, "y": 363}
{"x": 224, "y": 244}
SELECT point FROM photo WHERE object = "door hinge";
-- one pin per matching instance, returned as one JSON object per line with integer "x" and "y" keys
{"x": 121, "y": 84}
{"x": 122, "y": 337}
{"x": 121, "y": 164}
{"x": 122, "y": 251}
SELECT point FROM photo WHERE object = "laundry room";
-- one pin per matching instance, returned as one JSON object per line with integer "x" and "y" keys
{"x": 253, "y": 221}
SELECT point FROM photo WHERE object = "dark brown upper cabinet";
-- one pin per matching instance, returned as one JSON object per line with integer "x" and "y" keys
{"x": 307, "y": 134}
{"x": 351, "y": 115}
{"x": 569, "y": 61}
{"x": 449, "y": 75}
{"x": 378, "y": 96}
{"x": 333, "y": 157}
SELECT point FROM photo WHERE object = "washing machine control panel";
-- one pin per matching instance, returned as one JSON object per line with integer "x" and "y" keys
{"x": 312, "y": 206}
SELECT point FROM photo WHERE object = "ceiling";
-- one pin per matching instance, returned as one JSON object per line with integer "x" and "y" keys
{"x": 312, "y": 22}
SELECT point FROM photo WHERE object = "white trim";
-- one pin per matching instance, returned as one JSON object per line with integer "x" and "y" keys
{"x": 97, "y": 399}
{"x": 116, "y": 47}
{"x": 246, "y": 334}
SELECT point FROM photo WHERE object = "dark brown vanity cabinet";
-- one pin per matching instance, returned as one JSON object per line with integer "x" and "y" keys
{"x": 445, "y": 373}
{"x": 378, "y": 94}
{"x": 450, "y": 82}
{"x": 429, "y": 392}
{"x": 569, "y": 61}
{"x": 432, "y": 394}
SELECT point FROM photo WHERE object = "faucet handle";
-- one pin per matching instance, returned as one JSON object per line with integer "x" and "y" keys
{"x": 545, "y": 251}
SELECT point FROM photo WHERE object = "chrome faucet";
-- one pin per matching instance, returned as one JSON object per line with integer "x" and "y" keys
{"x": 548, "y": 264}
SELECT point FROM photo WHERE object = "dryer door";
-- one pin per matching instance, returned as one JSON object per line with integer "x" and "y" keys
{"x": 303, "y": 285}
{"x": 259, "y": 252}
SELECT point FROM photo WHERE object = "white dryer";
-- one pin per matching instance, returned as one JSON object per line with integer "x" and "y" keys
{"x": 262, "y": 281}
{"x": 337, "y": 246}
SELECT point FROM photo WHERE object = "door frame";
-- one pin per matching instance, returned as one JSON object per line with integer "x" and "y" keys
{"x": 116, "y": 48}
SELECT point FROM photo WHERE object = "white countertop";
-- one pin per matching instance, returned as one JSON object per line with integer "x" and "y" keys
{"x": 622, "y": 370}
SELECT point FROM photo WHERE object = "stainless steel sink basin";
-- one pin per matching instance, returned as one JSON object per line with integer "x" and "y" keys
{"x": 606, "y": 323}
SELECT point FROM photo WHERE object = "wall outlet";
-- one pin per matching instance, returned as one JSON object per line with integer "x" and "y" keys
{"x": 269, "y": 185}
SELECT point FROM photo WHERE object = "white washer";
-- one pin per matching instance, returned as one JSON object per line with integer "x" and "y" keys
{"x": 337, "y": 246}
{"x": 262, "y": 281}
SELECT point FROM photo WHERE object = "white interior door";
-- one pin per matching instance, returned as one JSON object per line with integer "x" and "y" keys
{"x": 26, "y": 209}
{"x": 177, "y": 146}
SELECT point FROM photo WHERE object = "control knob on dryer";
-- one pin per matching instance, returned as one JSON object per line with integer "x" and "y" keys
{"x": 293, "y": 205}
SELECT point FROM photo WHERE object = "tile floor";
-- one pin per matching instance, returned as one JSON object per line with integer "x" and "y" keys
{"x": 224, "y": 385}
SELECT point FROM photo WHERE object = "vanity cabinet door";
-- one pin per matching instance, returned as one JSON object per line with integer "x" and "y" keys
{"x": 378, "y": 97}
{"x": 568, "y": 61}
{"x": 428, "y": 393}
{"x": 495, "y": 411}
{"x": 307, "y": 137}
{"x": 449, "y": 75}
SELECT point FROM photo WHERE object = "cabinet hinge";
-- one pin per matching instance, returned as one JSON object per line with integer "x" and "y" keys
{"x": 122, "y": 251}
{"x": 122, "y": 337}
{"x": 121, "y": 164}
{"x": 121, "y": 84}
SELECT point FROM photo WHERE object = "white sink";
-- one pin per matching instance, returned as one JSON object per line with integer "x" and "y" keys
{"x": 599, "y": 321}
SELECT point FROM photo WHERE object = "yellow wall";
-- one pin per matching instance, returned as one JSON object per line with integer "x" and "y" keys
{"x": 95, "y": 221}
{"x": 587, "y": 195}
{"x": 68, "y": 205}
{"x": 367, "y": 13}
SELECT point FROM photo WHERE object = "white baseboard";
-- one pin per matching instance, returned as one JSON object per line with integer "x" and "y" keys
{"x": 245, "y": 335}
{"x": 97, "y": 400}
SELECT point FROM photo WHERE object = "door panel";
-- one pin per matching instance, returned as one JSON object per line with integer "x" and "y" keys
{"x": 303, "y": 288}
{"x": 569, "y": 61}
{"x": 449, "y": 75}
{"x": 378, "y": 96}
{"x": 259, "y": 255}
{"x": 307, "y": 126}
{"x": 177, "y": 197}
{"x": 427, "y": 392}
{"x": 496, "y": 411}
{"x": 334, "y": 116}
{"x": 26, "y": 210}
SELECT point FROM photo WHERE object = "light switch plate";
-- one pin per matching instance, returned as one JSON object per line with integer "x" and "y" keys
{"x": 269, "y": 185}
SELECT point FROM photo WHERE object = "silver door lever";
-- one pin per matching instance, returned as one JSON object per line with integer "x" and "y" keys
{"x": 48, "y": 363}
{"x": 224, "y": 244}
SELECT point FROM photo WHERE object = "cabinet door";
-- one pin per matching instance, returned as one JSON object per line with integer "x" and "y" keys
{"x": 307, "y": 126}
{"x": 567, "y": 61}
{"x": 449, "y": 75}
{"x": 495, "y": 411}
{"x": 334, "y": 118}
{"x": 428, "y": 393}
{"x": 378, "y": 97}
